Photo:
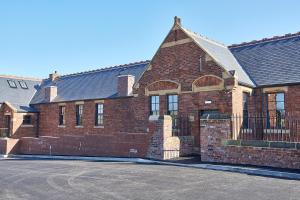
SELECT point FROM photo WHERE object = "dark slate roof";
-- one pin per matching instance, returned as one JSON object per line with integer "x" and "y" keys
{"x": 272, "y": 61}
{"x": 96, "y": 84}
{"x": 222, "y": 55}
{"x": 18, "y": 97}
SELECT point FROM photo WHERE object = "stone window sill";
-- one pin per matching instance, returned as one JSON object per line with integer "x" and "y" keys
{"x": 262, "y": 144}
{"x": 61, "y": 126}
{"x": 78, "y": 126}
{"x": 98, "y": 126}
{"x": 27, "y": 126}
{"x": 153, "y": 117}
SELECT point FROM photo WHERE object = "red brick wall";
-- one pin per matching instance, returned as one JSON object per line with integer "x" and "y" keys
{"x": 17, "y": 129}
{"x": 87, "y": 145}
{"x": 9, "y": 146}
{"x": 4, "y": 109}
{"x": 292, "y": 100}
{"x": 118, "y": 117}
{"x": 125, "y": 83}
{"x": 207, "y": 81}
{"x": 214, "y": 132}
{"x": 162, "y": 85}
{"x": 179, "y": 63}
{"x": 175, "y": 34}
{"x": 158, "y": 143}
{"x": 3, "y": 144}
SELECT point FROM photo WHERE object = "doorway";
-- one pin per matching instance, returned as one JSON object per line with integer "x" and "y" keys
{"x": 7, "y": 126}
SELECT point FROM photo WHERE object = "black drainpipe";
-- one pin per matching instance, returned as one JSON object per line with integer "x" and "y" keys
{"x": 38, "y": 125}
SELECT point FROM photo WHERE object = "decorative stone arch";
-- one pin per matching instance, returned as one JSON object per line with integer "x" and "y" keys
{"x": 208, "y": 83}
{"x": 163, "y": 87}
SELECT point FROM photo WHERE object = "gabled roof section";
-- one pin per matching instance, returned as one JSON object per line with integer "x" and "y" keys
{"x": 96, "y": 84}
{"x": 17, "y": 96}
{"x": 222, "y": 55}
{"x": 271, "y": 61}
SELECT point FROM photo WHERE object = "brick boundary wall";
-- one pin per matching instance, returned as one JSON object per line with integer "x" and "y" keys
{"x": 186, "y": 145}
{"x": 3, "y": 143}
{"x": 9, "y": 145}
{"x": 120, "y": 144}
{"x": 158, "y": 143}
{"x": 162, "y": 144}
{"x": 215, "y": 132}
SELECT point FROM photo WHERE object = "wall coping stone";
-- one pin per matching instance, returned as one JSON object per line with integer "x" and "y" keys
{"x": 263, "y": 144}
{"x": 255, "y": 143}
{"x": 215, "y": 120}
{"x": 206, "y": 122}
{"x": 286, "y": 145}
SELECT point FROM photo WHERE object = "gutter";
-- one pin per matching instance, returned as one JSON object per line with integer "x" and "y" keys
{"x": 277, "y": 85}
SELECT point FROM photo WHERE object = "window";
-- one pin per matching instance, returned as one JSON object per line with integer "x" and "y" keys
{"x": 62, "y": 110}
{"x": 280, "y": 103}
{"x": 173, "y": 110}
{"x": 200, "y": 64}
{"x": 12, "y": 84}
{"x": 275, "y": 110}
{"x": 99, "y": 114}
{"x": 79, "y": 112}
{"x": 172, "y": 105}
{"x": 154, "y": 105}
{"x": 23, "y": 84}
{"x": 245, "y": 110}
{"x": 27, "y": 120}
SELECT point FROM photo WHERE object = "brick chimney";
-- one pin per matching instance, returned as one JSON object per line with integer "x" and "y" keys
{"x": 53, "y": 76}
{"x": 50, "y": 93}
{"x": 125, "y": 85}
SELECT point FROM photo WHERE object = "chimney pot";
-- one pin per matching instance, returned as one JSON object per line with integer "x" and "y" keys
{"x": 54, "y": 76}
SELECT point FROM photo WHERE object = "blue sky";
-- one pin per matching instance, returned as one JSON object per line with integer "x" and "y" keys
{"x": 40, "y": 36}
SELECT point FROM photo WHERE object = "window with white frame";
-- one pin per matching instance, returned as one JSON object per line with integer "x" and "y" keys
{"x": 154, "y": 105}
{"x": 79, "y": 114}
{"x": 245, "y": 110}
{"x": 276, "y": 110}
{"x": 99, "y": 114}
{"x": 62, "y": 111}
{"x": 172, "y": 104}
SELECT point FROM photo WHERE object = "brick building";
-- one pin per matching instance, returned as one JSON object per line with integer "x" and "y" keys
{"x": 195, "y": 96}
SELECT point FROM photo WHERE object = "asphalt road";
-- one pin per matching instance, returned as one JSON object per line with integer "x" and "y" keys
{"x": 52, "y": 179}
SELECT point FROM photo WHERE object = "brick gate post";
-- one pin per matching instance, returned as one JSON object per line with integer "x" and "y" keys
{"x": 213, "y": 131}
{"x": 162, "y": 144}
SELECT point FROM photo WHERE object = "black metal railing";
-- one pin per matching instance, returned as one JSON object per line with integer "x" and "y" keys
{"x": 269, "y": 128}
{"x": 181, "y": 126}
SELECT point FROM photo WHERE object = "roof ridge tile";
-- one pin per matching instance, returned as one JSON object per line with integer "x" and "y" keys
{"x": 270, "y": 39}
{"x": 20, "y": 77}
{"x": 206, "y": 38}
{"x": 105, "y": 68}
